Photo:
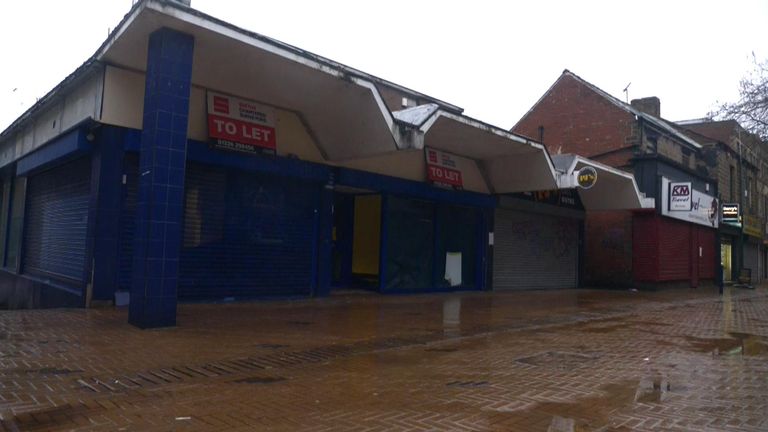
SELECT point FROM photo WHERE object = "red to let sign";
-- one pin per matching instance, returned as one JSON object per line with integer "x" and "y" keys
{"x": 442, "y": 169}
{"x": 241, "y": 125}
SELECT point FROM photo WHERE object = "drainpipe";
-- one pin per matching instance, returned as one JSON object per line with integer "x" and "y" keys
{"x": 740, "y": 249}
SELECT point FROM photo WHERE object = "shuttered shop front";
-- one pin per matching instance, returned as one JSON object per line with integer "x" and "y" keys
{"x": 56, "y": 222}
{"x": 247, "y": 235}
{"x": 534, "y": 251}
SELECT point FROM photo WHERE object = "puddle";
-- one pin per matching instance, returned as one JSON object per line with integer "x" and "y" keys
{"x": 652, "y": 323}
{"x": 54, "y": 371}
{"x": 585, "y": 414}
{"x": 442, "y": 350}
{"x": 270, "y": 346}
{"x": 46, "y": 419}
{"x": 560, "y": 360}
{"x": 738, "y": 344}
{"x": 467, "y": 384}
{"x": 606, "y": 329}
{"x": 260, "y": 380}
{"x": 652, "y": 391}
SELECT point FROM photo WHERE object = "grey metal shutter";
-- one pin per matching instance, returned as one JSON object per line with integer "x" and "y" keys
{"x": 534, "y": 251}
{"x": 56, "y": 221}
{"x": 751, "y": 258}
{"x": 247, "y": 235}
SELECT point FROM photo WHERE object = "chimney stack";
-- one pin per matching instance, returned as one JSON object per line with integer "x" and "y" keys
{"x": 649, "y": 105}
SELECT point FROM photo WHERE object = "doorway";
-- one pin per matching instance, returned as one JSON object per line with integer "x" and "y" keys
{"x": 726, "y": 261}
{"x": 356, "y": 241}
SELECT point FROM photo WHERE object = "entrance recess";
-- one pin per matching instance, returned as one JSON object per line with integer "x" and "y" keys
{"x": 356, "y": 240}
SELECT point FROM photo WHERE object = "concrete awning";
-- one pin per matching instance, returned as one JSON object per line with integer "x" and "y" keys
{"x": 341, "y": 106}
{"x": 614, "y": 189}
{"x": 510, "y": 163}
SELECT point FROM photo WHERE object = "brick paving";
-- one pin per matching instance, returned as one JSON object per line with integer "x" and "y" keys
{"x": 577, "y": 360}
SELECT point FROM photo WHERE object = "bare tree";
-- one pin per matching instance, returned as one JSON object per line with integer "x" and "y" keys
{"x": 751, "y": 110}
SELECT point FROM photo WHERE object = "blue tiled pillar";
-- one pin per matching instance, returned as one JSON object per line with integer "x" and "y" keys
{"x": 161, "y": 180}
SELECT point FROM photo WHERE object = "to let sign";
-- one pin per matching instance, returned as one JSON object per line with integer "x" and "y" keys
{"x": 442, "y": 169}
{"x": 238, "y": 124}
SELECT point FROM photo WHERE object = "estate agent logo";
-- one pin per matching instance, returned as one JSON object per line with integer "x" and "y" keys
{"x": 680, "y": 197}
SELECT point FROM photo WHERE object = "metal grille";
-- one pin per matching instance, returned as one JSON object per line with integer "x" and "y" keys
{"x": 56, "y": 221}
{"x": 247, "y": 235}
{"x": 534, "y": 251}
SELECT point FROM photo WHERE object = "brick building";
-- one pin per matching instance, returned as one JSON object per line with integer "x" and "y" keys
{"x": 162, "y": 171}
{"x": 741, "y": 175}
{"x": 662, "y": 245}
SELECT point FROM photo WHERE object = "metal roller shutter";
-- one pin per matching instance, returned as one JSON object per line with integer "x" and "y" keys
{"x": 56, "y": 221}
{"x": 247, "y": 235}
{"x": 534, "y": 251}
{"x": 674, "y": 250}
{"x": 128, "y": 219}
{"x": 751, "y": 256}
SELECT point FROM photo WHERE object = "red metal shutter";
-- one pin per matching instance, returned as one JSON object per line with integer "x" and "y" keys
{"x": 645, "y": 249}
{"x": 674, "y": 250}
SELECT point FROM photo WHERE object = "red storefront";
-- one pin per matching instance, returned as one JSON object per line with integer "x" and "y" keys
{"x": 678, "y": 244}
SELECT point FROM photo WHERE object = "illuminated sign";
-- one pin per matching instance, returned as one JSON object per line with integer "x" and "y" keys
{"x": 680, "y": 196}
{"x": 730, "y": 213}
{"x": 241, "y": 125}
{"x": 586, "y": 177}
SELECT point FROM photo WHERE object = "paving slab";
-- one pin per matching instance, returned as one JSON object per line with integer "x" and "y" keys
{"x": 565, "y": 360}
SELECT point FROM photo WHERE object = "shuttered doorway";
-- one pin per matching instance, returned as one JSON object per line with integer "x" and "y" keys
{"x": 534, "y": 251}
{"x": 56, "y": 222}
{"x": 247, "y": 235}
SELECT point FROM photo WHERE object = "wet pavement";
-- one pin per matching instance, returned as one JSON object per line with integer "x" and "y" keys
{"x": 576, "y": 360}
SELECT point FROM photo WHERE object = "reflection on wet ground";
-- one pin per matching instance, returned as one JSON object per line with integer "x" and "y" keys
{"x": 577, "y": 360}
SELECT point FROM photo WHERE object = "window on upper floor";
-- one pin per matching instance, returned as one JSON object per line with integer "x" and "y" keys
{"x": 732, "y": 184}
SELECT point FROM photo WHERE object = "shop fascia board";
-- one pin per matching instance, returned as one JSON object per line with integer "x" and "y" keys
{"x": 509, "y": 163}
{"x": 364, "y": 142}
{"x": 614, "y": 189}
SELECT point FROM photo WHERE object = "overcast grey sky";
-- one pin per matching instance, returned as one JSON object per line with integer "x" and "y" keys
{"x": 493, "y": 58}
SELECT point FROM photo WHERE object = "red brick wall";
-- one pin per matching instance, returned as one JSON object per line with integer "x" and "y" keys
{"x": 608, "y": 248}
{"x": 578, "y": 120}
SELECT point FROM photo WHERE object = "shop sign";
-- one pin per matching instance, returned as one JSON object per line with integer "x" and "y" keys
{"x": 241, "y": 125}
{"x": 703, "y": 207}
{"x": 586, "y": 177}
{"x": 730, "y": 213}
{"x": 752, "y": 226}
{"x": 442, "y": 169}
{"x": 680, "y": 196}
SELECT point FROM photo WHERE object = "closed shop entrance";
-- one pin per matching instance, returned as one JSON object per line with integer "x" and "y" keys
{"x": 247, "y": 235}
{"x": 534, "y": 251}
{"x": 56, "y": 216}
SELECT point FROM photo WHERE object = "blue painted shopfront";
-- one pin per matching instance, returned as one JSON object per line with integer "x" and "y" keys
{"x": 253, "y": 226}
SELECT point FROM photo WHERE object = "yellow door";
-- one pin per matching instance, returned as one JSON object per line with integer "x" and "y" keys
{"x": 725, "y": 259}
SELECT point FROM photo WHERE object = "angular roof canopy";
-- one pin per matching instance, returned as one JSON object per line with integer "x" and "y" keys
{"x": 614, "y": 189}
{"x": 510, "y": 162}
